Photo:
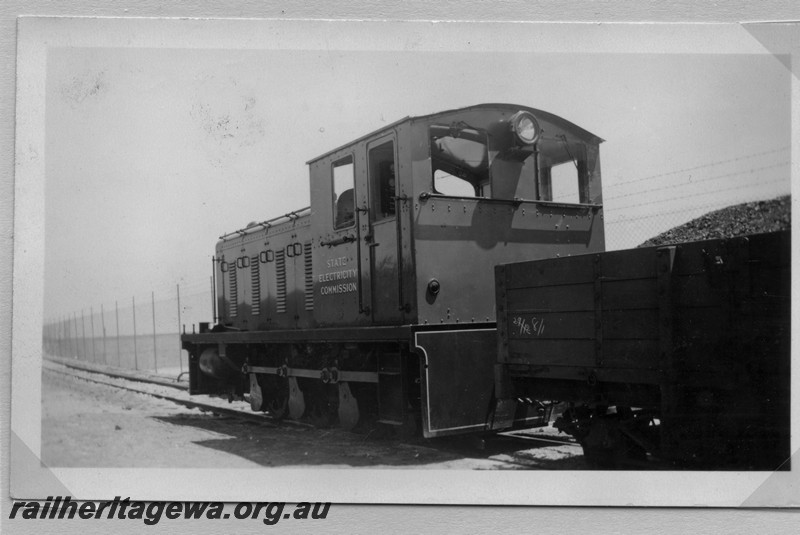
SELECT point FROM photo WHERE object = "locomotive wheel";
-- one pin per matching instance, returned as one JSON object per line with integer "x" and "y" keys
{"x": 277, "y": 407}
{"x": 348, "y": 408}
{"x": 256, "y": 396}
{"x": 297, "y": 402}
{"x": 322, "y": 403}
{"x": 276, "y": 394}
{"x": 411, "y": 427}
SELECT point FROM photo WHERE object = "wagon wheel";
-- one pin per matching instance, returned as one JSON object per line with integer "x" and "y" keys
{"x": 607, "y": 446}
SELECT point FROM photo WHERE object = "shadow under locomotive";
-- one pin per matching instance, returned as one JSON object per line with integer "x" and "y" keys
{"x": 288, "y": 446}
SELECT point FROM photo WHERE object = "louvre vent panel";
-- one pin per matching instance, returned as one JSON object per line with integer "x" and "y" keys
{"x": 255, "y": 286}
{"x": 309, "y": 293}
{"x": 280, "y": 276}
{"x": 233, "y": 288}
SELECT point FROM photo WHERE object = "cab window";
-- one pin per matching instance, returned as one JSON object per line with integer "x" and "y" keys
{"x": 470, "y": 162}
{"x": 459, "y": 160}
{"x": 562, "y": 171}
{"x": 447, "y": 184}
{"x": 383, "y": 179}
{"x": 344, "y": 202}
{"x": 564, "y": 183}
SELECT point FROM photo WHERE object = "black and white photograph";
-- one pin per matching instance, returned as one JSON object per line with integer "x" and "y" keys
{"x": 403, "y": 263}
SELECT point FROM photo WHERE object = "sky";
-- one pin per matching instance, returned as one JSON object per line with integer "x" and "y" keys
{"x": 152, "y": 153}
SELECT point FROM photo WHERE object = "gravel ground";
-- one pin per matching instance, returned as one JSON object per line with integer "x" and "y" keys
{"x": 740, "y": 220}
{"x": 93, "y": 425}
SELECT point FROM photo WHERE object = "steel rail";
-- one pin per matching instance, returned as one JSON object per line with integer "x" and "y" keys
{"x": 119, "y": 374}
{"x": 261, "y": 418}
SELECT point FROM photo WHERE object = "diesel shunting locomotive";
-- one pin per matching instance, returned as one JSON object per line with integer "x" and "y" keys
{"x": 377, "y": 302}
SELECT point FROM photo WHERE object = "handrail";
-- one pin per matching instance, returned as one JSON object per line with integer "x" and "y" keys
{"x": 348, "y": 238}
{"x": 425, "y": 195}
{"x": 290, "y": 216}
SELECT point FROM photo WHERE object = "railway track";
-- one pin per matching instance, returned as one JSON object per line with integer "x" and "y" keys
{"x": 516, "y": 450}
{"x": 114, "y": 378}
{"x": 138, "y": 376}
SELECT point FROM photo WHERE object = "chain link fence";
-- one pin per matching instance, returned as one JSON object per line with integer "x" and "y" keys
{"x": 139, "y": 333}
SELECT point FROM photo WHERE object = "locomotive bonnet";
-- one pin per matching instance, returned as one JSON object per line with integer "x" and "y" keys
{"x": 377, "y": 302}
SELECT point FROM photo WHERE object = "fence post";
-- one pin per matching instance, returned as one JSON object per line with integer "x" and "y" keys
{"x": 75, "y": 324}
{"x": 83, "y": 331}
{"x": 155, "y": 353}
{"x": 103, "y": 324}
{"x": 135, "y": 352}
{"x": 91, "y": 322}
{"x": 180, "y": 354}
{"x": 116, "y": 313}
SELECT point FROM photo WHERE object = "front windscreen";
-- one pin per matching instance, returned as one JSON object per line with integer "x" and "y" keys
{"x": 470, "y": 162}
{"x": 460, "y": 161}
{"x": 562, "y": 170}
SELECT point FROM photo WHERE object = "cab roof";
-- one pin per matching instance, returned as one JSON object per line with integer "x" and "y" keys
{"x": 540, "y": 114}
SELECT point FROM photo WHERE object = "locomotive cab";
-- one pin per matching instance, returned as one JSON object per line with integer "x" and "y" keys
{"x": 358, "y": 235}
{"x": 493, "y": 184}
{"x": 496, "y": 184}
{"x": 409, "y": 221}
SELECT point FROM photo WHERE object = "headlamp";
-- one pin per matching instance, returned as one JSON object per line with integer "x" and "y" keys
{"x": 525, "y": 127}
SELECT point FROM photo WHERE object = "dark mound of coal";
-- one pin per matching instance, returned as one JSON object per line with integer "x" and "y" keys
{"x": 739, "y": 220}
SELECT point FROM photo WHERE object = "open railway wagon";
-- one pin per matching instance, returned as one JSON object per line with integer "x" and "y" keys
{"x": 678, "y": 353}
{"x": 376, "y": 304}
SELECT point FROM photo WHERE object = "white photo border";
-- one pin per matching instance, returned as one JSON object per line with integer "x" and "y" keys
{"x": 31, "y": 480}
